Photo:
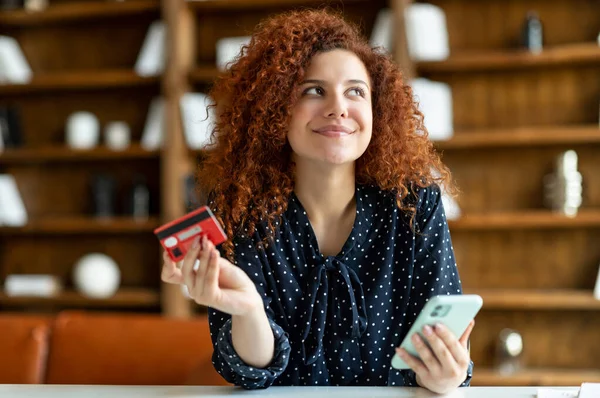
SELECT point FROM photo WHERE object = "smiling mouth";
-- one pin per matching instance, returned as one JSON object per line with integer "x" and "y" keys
{"x": 333, "y": 133}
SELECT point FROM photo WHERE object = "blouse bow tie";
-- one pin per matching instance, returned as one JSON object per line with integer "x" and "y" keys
{"x": 335, "y": 318}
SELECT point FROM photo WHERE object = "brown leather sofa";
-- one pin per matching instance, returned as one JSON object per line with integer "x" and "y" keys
{"x": 77, "y": 347}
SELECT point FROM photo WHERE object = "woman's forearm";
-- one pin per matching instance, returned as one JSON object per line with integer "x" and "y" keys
{"x": 252, "y": 338}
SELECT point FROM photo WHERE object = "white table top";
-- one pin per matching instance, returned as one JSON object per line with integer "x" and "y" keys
{"x": 72, "y": 391}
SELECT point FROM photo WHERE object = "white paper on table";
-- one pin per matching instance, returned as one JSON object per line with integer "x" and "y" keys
{"x": 589, "y": 390}
{"x": 555, "y": 393}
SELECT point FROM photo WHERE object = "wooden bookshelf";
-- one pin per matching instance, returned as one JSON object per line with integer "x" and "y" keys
{"x": 522, "y": 137}
{"x": 66, "y": 12}
{"x": 563, "y": 55}
{"x": 83, "y": 225}
{"x": 537, "y": 220}
{"x": 203, "y": 74}
{"x": 64, "y": 154}
{"x": 235, "y": 5}
{"x": 80, "y": 80}
{"x": 124, "y": 298}
{"x": 549, "y": 299}
{"x": 536, "y": 377}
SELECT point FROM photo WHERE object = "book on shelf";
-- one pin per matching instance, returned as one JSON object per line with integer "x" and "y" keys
{"x": 152, "y": 57}
{"x": 13, "y": 64}
{"x": 12, "y": 208}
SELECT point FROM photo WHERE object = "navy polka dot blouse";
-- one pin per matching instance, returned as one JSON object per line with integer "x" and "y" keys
{"x": 338, "y": 319}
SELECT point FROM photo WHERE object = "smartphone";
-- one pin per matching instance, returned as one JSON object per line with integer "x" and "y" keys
{"x": 453, "y": 311}
{"x": 177, "y": 236}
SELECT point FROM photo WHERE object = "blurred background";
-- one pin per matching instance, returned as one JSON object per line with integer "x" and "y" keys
{"x": 103, "y": 123}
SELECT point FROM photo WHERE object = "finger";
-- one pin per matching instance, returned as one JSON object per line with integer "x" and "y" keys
{"x": 204, "y": 259}
{"x": 187, "y": 269}
{"x": 457, "y": 349}
{"x": 170, "y": 273}
{"x": 464, "y": 339}
{"x": 440, "y": 349}
{"x": 426, "y": 355}
{"x": 211, "y": 280}
{"x": 414, "y": 363}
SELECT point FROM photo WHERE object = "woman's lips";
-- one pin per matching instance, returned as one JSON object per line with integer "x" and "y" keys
{"x": 334, "y": 131}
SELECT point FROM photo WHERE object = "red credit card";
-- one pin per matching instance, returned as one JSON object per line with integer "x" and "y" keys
{"x": 178, "y": 236}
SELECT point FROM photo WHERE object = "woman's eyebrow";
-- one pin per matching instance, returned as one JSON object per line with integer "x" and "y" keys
{"x": 323, "y": 82}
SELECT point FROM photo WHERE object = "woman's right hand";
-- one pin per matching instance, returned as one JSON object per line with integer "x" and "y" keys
{"x": 216, "y": 283}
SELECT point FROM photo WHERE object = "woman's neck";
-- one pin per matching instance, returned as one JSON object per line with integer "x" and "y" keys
{"x": 326, "y": 192}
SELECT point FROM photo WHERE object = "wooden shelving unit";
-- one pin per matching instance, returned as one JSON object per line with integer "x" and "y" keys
{"x": 125, "y": 298}
{"x": 535, "y": 219}
{"x": 83, "y": 225}
{"x": 74, "y": 11}
{"x": 514, "y": 112}
{"x": 54, "y": 154}
{"x": 82, "y": 55}
{"x": 549, "y": 299}
{"x": 78, "y": 80}
{"x": 563, "y": 55}
{"x": 522, "y": 137}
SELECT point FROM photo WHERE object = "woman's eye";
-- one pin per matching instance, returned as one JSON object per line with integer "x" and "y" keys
{"x": 357, "y": 91}
{"x": 314, "y": 91}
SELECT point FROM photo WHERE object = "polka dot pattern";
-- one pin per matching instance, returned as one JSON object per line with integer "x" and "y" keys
{"x": 337, "y": 319}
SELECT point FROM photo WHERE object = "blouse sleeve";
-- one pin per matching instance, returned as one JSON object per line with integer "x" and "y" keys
{"x": 225, "y": 360}
{"x": 434, "y": 268}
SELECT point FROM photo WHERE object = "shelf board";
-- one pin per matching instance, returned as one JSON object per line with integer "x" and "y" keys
{"x": 530, "y": 299}
{"x": 82, "y": 225}
{"x": 78, "y": 80}
{"x": 533, "y": 219}
{"x": 126, "y": 297}
{"x": 232, "y": 5}
{"x": 54, "y": 154}
{"x": 204, "y": 74}
{"x": 522, "y": 137}
{"x": 571, "y": 54}
{"x": 535, "y": 377}
{"x": 78, "y": 11}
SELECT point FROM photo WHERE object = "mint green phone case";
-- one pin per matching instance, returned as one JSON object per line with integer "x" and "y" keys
{"x": 454, "y": 311}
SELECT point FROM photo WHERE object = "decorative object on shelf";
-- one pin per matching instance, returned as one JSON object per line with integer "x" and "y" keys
{"x": 12, "y": 209}
{"x": 32, "y": 285}
{"x": 597, "y": 287}
{"x": 198, "y": 119}
{"x": 104, "y": 196}
{"x": 117, "y": 135}
{"x": 152, "y": 58}
{"x": 451, "y": 207}
{"x": 533, "y": 35}
{"x": 11, "y": 4}
{"x": 153, "y": 135}
{"x": 426, "y": 32}
{"x": 96, "y": 275}
{"x": 563, "y": 188}
{"x": 13, "y": 64}
{"x": 36, "y": 5}
{"x": 10, "y": 128}
{"x": 509, "y": 352}
{"x": 228, "y": 49}
{"x": 382, "y": 35}
{"x": 83, "y": 130}
{"x": 138, "y": 205}
{"x": 435, "y": 102}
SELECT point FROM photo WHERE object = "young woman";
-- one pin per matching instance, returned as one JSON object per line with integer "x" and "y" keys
{"x": 324, "y": 180}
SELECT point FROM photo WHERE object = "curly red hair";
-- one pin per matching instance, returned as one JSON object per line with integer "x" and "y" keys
{"x": 250, "y": 174}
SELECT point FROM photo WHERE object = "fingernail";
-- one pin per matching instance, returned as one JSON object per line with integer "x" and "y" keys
{"x": 196, "y": 242}
{"x": 439, "y": 327}
{"x": 427, "y": 330}
{"x": 416, "y": 339}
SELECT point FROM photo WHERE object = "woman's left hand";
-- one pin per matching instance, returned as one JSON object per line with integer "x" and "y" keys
{"x": 443, "y": 367}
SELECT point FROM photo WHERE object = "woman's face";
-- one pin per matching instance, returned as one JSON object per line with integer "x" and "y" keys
{"x": 332, "y": 120}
